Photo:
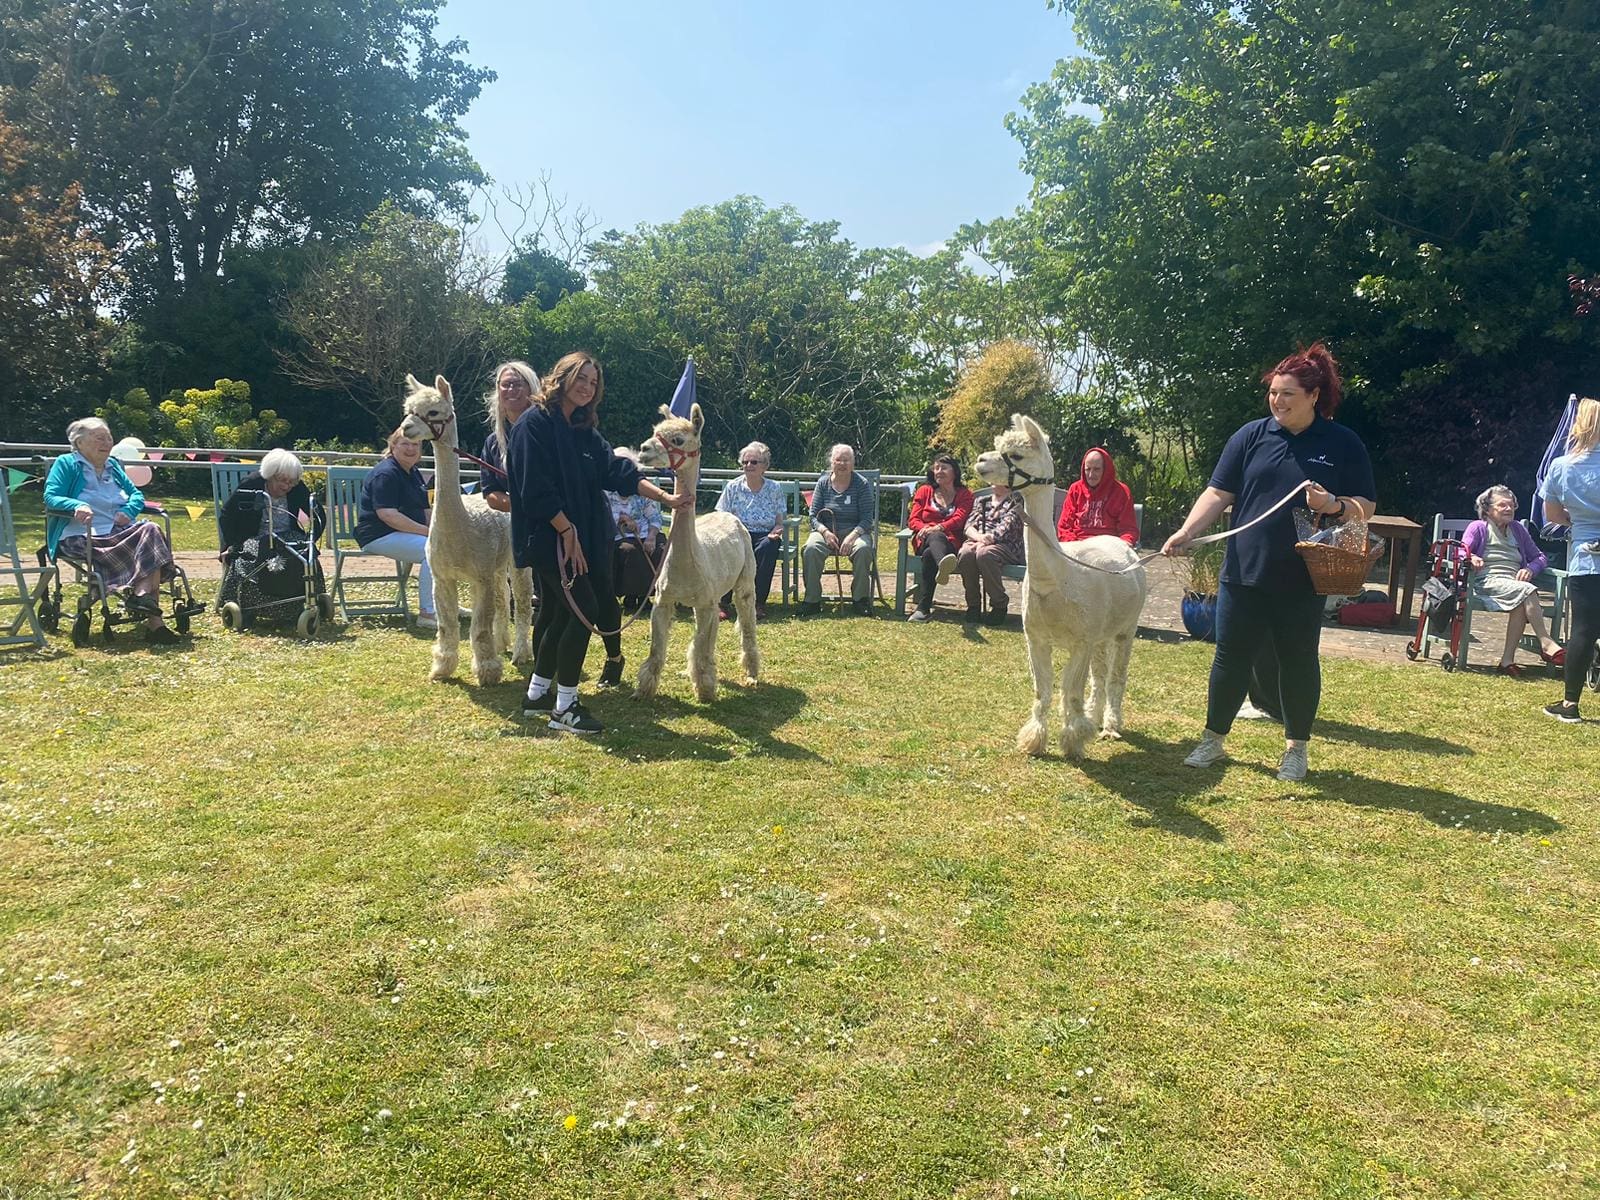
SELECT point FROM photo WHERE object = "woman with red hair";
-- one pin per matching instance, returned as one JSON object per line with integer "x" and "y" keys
{"x": 1098, "y": 503}
{"x": 1266, "y": 593}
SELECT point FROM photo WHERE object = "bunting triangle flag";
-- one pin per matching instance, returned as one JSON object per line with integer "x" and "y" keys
{"x": 15, "y": 479}
{"x": 195, "y": 511}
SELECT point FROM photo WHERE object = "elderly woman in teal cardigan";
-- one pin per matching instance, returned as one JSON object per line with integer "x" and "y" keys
{"x": 88, "y": 495}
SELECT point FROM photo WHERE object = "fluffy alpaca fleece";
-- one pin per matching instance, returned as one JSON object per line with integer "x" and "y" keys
{"x": 1067, "y": 604}
{"x": 468, "y": 542}
{"x": 707, "y": 557}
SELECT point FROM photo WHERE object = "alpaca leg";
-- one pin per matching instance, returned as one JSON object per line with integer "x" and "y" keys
{"x": 1031, "y": 739}
{"x": 1075, "y": 727}
{"x": 744, "y": 603}
{"x": 502, "y": 611}
{"x": 1099, "y": 677}
{"x": 650, "y": 672}
{"x": 1117, "y": 685}
{"x": 488, "y": 608}
{"x": 703, "y": 652}
{"x": 447, "y": 641}
{"x": 522, "y": 594}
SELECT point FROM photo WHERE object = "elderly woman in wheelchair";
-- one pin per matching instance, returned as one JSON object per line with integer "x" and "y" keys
{"x": 92, "y": 512}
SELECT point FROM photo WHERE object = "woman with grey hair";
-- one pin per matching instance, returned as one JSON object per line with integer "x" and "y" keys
{"x": 758, "y": 503}
{"x": 1506, "y": 561}
{"x": 844, "y": 519}
{"x": 272, "y": 499}
{"x": 88, "y": 495}
{"x": 515, "y": 386}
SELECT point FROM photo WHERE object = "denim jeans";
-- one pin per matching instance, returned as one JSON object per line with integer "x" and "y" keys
{"x": 408, "y": 548}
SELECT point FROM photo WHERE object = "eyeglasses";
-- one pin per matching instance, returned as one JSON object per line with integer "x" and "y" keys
{"x": 751, "y": 462}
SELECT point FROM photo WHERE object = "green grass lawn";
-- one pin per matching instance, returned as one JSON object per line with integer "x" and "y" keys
{"x": 284, "y": 920}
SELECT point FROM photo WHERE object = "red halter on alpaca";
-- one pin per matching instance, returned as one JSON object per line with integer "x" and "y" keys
{"x": 676, "y": 458}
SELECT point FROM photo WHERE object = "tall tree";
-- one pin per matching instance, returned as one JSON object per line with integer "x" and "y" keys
{"x": 407, "y": 295}
{"x": 53, "y": 272}
{"x": 769, "y": 304}
{"x": 200, "y": 127}
{"x": 1217, "y": 181}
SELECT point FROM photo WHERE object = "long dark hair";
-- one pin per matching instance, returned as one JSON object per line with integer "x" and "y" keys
{"x": 955, "y": 469}
{"x": 1313, "y": 369}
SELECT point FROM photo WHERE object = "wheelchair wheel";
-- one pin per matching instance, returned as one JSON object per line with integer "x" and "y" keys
{"x": 233, "y": 616}
{"x": 1411, "y": 651}
{"x": 80, "y": 630}
{"x": 306, "y": 626}
{"x": 1448, "y": 662}
{"x": 325, "y": 606}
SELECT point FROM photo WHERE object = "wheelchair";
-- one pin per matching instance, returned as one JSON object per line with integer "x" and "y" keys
{"x": 50, "y": 607}
{"x": 275, "y": 578}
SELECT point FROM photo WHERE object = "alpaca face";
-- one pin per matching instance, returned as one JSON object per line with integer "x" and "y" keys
{"x": 674, "y": 433}
{"x": 1022, "y": 448}
{"x": 426, "y": 408}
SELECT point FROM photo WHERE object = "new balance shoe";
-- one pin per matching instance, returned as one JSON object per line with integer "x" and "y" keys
{"x": 1564, "y": 712}
{"x": 1209, "y": 751}
{"x": 575, "y": 719}
{"x": 1293, "y": 767}
{"x": 542, "y": 707}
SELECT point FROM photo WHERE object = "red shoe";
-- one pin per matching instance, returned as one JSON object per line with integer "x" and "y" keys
{"x": 1511, "y": 669}
{"x": 1558, "y": 659}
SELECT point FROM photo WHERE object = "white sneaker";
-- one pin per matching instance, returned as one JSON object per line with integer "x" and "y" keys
{"x": 946, "y": 565}
{"x": 1249, "y": 712}
{"x": 1209, "y": 751}
{"x": 1293, "y": 767}
{"x": 427, "y": 621}
{"x": 917, "y": 615}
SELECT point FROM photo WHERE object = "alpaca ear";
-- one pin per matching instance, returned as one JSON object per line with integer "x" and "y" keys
{"x": 411, "y": 383}
{"x": 665, "y": 410}
{"x": 696, "y": 418}
{"x": 442, "y": 386}
{"x": 1031, "y": 427}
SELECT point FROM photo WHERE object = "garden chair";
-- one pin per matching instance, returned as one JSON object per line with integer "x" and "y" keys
{"x": 344, "y": 502}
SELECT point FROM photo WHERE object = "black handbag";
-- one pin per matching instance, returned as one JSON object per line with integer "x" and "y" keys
{"x": 1439, "y": 601}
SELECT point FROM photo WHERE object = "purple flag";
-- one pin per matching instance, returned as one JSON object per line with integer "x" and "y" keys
{"x": 683, "y": 398}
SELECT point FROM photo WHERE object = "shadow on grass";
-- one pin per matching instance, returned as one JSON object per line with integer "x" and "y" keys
{"x": 635, "y": 729}
{"x": 1150, "y": 775}
{"x": 1445, "y": 809}
{"x": 1387, "y": 739}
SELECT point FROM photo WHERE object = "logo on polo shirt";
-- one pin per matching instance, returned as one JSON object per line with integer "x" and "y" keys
{"x": 1320, "y": 460}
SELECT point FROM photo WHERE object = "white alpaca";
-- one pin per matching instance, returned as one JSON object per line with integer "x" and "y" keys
{"x": 1083, "y": 597}
{"x": 467, "y": 541}
{"x": 707, "y": 557}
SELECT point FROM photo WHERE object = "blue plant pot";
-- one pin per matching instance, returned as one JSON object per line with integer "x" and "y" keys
{"x": 1199, "y": 616}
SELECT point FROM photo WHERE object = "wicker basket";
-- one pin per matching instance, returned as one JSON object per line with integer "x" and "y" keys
{"x": 1334, "y": 570}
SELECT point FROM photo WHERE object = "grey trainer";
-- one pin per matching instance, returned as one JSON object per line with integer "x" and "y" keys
{"x": 1209, "y": 751}
{"x": 1293, "y": 767}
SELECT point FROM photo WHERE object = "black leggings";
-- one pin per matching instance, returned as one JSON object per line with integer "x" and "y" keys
{"x": 560, "y": 640}
{"x": 1247, "y": 616}
{"x": 1584, "y": 593}
{"x": 935, "y": 545}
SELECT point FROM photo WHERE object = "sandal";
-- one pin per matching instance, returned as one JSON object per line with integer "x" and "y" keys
{"x": 1512, "y": 669}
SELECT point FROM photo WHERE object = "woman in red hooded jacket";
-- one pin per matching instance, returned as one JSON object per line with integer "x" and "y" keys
{"x": 1098, "y": 503}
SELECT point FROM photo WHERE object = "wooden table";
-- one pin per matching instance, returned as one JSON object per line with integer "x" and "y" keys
{"x": 1397, "y": 532}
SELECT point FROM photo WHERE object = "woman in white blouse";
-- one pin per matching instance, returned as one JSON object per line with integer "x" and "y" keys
{"x": 758, "y": 503}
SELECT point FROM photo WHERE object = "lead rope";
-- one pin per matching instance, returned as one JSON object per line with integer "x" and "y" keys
{"x": 1050, "y": 538}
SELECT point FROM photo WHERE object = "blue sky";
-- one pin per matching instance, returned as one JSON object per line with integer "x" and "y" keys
{"x": 885, "y": 116}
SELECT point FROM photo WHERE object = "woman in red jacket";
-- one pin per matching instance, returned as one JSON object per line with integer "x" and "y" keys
{"x": 1098, "y": 503}
{"x": 939, "y": 512}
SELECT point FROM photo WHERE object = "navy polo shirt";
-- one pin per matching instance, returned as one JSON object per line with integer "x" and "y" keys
{"x": 1260, "y": 463}
{"x": 492, "y": 481}
{"x": 389, "y": 485}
